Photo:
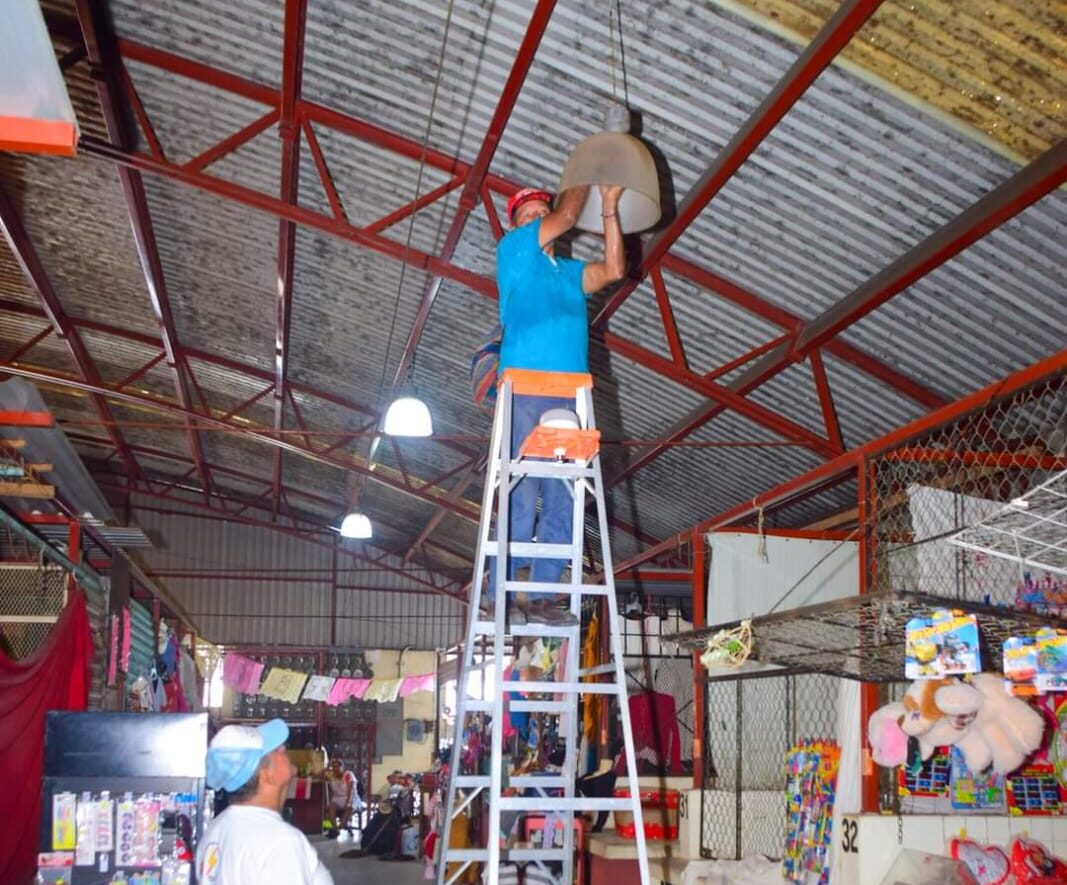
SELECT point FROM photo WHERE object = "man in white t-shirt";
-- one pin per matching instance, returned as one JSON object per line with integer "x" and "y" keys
{"x": 344, "y": 792}
{"x": 249, "y": 843}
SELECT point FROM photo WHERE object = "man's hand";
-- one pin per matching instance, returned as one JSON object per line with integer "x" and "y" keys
{"x": 609, "y": 197}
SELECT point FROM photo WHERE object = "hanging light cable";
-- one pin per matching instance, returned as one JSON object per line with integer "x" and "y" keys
{"x": 407, "y": 414}
{"x": 615, "y": 157}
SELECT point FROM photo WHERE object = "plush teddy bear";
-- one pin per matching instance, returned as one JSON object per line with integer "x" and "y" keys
{"x": 1010, "y": 726}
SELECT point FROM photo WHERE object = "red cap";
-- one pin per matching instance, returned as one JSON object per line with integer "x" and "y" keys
{"x": 526, "y": 195}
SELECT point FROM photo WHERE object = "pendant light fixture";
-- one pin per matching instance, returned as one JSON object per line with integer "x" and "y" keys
{"x": 615, "y": 157}
{"x": 408, "y": 416}
{"x": 356, "y": 525}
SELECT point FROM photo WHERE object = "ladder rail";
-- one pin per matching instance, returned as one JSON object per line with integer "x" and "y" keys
{"x": 466, "y": 668}
{"x": 581, "y": 477}
{"x": 615, "y": 635}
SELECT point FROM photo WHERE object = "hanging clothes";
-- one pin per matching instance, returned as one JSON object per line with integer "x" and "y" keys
{"x": 655, "y": 726}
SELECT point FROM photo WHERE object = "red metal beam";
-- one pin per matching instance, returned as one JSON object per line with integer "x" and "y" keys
{"x": 826, "y": 400}
{"x": 133, "y": 487}
{"x": 192, "y": 353}
{"x": 324, "y": 174}
{"x": 417, "y": 205}
{"x": 477, "y": 174}
{"x": 726, "y": 396}
{"x": 264, "y": 202}
{"x": 229, "y": 144}
{"x": 263, "y": 435}
{"x": 670, "y": 327}
{"x": 289, "y": 131}
{"x": 30, "y": 345}
{"x": 831, "y": 39}
{"x": 473, "y": 471}
{"x": 100, "y": 45}
{"x": 165, "y": 492}
{"x": 1004, "y": 202}
{"x": 764, "y": 309}
{"x": 844, "y": 464}
{"x": 18, "y": 241}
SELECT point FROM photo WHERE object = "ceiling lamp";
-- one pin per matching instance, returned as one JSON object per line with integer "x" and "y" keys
{"x": 408, "y": 416}
{"x": 356, "y": 525}
{"x": 615, "y": 157}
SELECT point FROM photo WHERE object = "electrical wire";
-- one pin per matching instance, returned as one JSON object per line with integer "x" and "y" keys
{"x": 411, "y": 223}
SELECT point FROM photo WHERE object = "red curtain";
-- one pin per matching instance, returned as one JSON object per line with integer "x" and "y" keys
{"x": 55, "y": 677}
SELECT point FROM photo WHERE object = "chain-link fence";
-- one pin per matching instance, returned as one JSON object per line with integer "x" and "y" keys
{"x": 31, "y": 597}
{"x": 925, "y": 491}
{"x": 751, "y": 724}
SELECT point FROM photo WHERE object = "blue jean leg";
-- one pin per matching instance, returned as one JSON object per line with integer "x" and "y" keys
{"x": 554, "y": 524}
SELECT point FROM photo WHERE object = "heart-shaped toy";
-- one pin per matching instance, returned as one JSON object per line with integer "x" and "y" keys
{"x": 1033, "y": 864}
{"x": 987, "y": 863}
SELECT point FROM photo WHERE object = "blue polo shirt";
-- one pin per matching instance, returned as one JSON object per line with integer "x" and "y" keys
{"x": 542, "y": 306}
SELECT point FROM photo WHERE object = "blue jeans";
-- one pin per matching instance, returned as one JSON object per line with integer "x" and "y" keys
{"x": 553, "y": 526}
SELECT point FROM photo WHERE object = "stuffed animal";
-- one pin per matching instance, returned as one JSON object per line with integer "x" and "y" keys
{"x": 1033, "y": 864}
{"x": 1010, "y": 726}
{"x": 987, "y": 864}
{"x": 889, "y": 744}
{"x": 923, "y": 713}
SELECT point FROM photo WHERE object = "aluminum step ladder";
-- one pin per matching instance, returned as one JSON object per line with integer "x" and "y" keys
{"x": 573, "y": 456}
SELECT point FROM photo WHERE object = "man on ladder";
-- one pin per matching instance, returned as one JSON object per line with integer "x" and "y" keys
{"x": 542, "y": 301}
{"x": 544, "y": 363}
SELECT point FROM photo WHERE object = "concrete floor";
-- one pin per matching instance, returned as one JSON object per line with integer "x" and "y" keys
{"x": 366, "y": 870}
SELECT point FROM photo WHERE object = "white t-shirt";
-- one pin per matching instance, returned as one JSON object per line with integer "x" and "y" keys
{"x": 249, "y": 845}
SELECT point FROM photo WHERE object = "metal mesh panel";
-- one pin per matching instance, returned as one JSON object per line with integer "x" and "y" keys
{"x": 31, "y": 598}
{"x": 924, "y": 492}
{"x": 751, "y": 724}
{"x": 673, "y": 676}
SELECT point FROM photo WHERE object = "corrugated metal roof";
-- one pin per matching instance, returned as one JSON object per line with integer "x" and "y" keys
{"x": 854, "y": 176}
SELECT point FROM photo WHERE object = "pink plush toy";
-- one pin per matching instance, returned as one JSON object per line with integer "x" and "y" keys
{"x": 889, "y": 744}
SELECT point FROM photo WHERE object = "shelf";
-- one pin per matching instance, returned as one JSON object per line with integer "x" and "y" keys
{"x": 862, "y": 637}
{"x": 1030, "y": 530}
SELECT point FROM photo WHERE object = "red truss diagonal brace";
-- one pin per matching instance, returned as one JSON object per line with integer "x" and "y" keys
{"x": 19, "y": 242}
{"x": 100, "y": 45}
{"x": 289, "y": 129}
{"x": 831, "y": 39}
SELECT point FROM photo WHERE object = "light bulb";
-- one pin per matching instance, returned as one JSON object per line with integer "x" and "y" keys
{"x": 408, "y": 416}
{"x": 356, "y": 525}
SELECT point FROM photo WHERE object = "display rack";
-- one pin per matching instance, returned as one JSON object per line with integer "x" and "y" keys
{"x": 862, "y": 637}
{"x": 1030, "y": 530}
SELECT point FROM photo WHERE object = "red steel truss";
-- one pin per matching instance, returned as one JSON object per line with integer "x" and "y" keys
{"x": 297, "y": 115}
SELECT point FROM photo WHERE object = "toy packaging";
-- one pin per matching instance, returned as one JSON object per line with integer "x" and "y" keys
{"x": 1045, "y": 596}
{"x": 987, "y": 864}
{"x": 943, "y": 644}
{"x": 1036, "y": 664}
{"x": 1034, "y": 789}
{"x": 931, "y": 780}
{"x": 810, "y": 787}
{"x": 1033, "y": 864}
{"x": 970, "y": 791}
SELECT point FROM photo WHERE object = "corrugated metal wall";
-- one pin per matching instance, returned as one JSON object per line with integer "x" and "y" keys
{"x": 142, "y": 641}
{"x": 249, "y": 585}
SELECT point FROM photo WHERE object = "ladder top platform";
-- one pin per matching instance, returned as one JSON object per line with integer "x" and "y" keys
{"x": 527, "y": 382}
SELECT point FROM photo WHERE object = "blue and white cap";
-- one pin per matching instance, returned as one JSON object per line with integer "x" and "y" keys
{"x": 234, "y": 754}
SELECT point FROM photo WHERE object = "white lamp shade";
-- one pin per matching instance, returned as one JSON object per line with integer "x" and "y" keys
{"x": 614, "y": 158}
{"x": 408, "y": 416}
{"x": 356, "y": 525}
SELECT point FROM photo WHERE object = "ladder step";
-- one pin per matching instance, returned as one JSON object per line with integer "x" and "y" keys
{"x": 559, "y": 803}
{"x": 550, "y": 469}
{"x": 564, "y": 688}
{"x": 469, "y": 781}
{"x": 481, "y": 855}
{"x": 561, "y": 632}
{"x": 517, "y": 706}
{"x": 560, "y": 589}
{"x": 472, "y": 706}
{"x": 533, "y": 550}
{"x": 526, "y": 854}
{"x": 538, "y": 781}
